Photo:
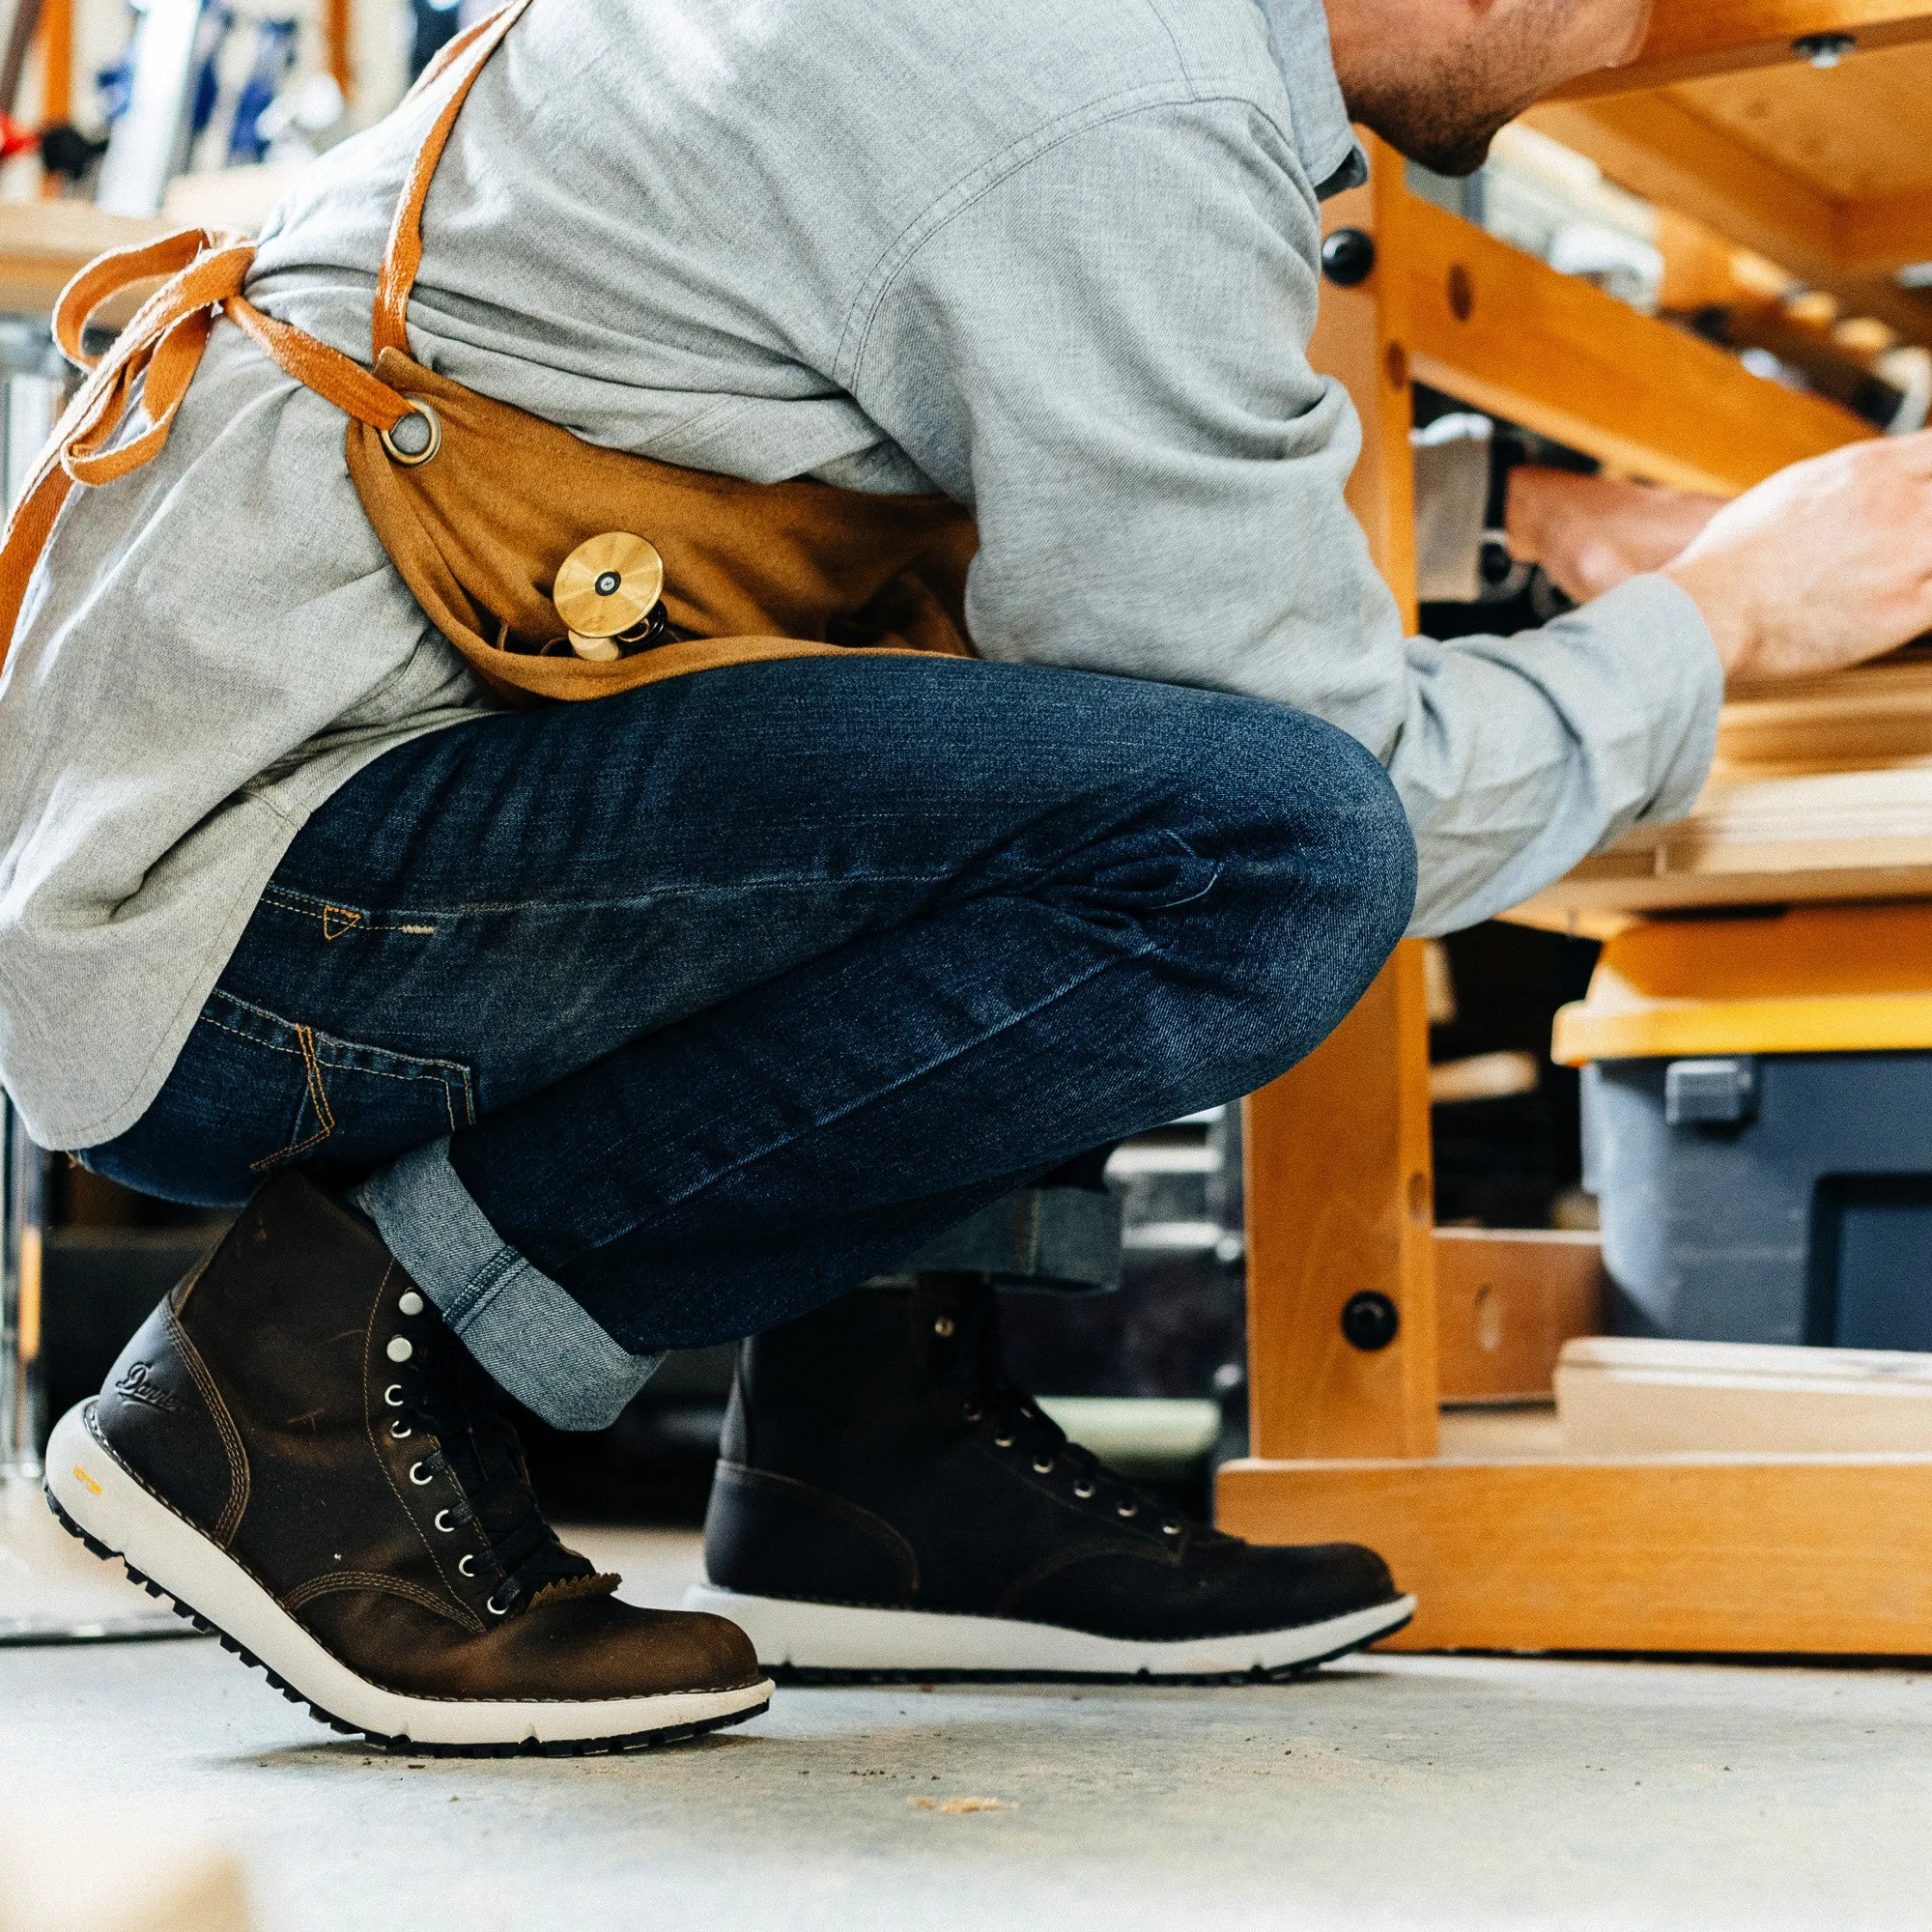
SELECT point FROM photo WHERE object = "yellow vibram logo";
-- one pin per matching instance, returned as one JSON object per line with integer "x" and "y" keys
{"x": 82, "y": 1475}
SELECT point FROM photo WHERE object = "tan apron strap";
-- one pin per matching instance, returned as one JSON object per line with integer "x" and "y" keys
{"x": 154, "y": 360}
{"x": 464, "y": 60}
{"x": 160, "y": 350}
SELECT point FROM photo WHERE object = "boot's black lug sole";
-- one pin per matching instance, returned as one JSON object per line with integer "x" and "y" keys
{"x": 641, "y": 1740}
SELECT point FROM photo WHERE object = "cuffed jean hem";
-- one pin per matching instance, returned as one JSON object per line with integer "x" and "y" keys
{"x": 1041, "y": 1238}
{"x": 522, "y": 1328}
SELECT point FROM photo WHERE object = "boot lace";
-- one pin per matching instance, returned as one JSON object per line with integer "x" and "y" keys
{"x": 1016, "y": 1425}
{"x": 470, "y": 1450}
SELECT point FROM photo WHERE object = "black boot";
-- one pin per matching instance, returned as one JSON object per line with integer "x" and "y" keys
{"x": 887, "y": 1502}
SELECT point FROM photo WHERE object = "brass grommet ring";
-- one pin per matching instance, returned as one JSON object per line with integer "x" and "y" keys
{"x": 414, "y": 459}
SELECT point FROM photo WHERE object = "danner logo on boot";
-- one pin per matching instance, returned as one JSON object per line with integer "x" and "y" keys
{"x": 138, "y": 1384}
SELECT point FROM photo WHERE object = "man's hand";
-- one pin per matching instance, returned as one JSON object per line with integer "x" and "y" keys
{"x": 1821, "y": 566}
{"x": 1589, "y": 533}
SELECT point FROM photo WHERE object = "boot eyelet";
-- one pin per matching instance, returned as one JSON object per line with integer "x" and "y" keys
{"x": 442, "y": 1522}
{"x": 945, "y": 1327}
{"x": 1043, "y": 1469}
{"x": 468, "y": 1567}
{"x": 1129, "y": 1509}
{"x": 1170, "y": 1530}
{"x": 421, "y": 1482}
{"x": 393, "y": 1395}
{"x": 397, "y": 1432}
{"x": 971, "y": 1414}
{"x": 1003, "y": 1442}
{"x": 1083, "y": 1491}
{"x": 495, "y": 1608}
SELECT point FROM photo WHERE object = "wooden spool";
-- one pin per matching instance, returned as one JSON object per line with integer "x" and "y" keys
{"x": 607, "y": 589}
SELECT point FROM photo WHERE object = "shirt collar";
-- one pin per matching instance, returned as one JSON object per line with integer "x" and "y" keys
{"x": 1327, "y": 145}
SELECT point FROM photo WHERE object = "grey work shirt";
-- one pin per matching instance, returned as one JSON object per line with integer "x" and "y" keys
{"x": 1058, "y": 261}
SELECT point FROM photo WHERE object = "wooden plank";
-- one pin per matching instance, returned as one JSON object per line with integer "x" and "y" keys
{"x": 1766, "y": 837}
{"x": 45, "y": 243}
{"x": 1605, "y": 895}
{"x": 1876, "y": 714}
{"x": 1497, "y": 327}
{"x": 56, "y": 45}
{"x": 1657, "y": 148}
{"x": 1340, "y": 1201}
{"x": 1691, "y": 38}
{"x": 1506, "y": 1301}
{"x": 1621, "y": 1396}
{"x": 1763, "y": 1555}
{"x": 1851, "y": 132}
{"x": 1705, "y": 270}
{"x": 1358, "y": 341}
{"x": 1886, "y": 233}
{"x": 338, "y": 43}
{"x": 1340, "y": 1195}
{"x": 1822, "y": 791}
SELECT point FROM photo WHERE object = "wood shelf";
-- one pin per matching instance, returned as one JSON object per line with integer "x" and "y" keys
{"x": 1815, "y": 1555}
{"x": 1826, "y": 173}
{"x": 1693, "y": 38}
{"x": 1822, "y": 791}
{"x": 1499, "y": 329}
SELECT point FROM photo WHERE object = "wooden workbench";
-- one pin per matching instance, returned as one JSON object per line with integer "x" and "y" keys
{"x": 1823, "y": 791}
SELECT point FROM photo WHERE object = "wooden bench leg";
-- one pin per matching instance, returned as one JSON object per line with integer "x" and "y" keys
{"x": 1340, "y": 1201}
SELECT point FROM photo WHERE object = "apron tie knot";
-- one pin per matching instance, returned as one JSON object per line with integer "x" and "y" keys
{"x": 154, "y": 360}
{"x": 160, "y": 349}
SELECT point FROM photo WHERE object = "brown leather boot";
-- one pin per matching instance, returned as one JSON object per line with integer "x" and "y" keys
{"x": 297, "y": 1451}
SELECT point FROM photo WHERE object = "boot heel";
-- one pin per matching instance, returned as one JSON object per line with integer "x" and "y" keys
{"x": 85, "y": 1486}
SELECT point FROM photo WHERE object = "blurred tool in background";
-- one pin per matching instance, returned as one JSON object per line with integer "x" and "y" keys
{"x": 200, "y": 87}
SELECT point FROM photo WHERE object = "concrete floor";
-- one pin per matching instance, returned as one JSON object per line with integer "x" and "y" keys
{"x": 1390, "y": 1792}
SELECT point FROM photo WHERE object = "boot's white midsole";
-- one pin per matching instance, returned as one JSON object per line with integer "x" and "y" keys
{"x": 839, "y": 1636}
{"x": 107, "y": 1501}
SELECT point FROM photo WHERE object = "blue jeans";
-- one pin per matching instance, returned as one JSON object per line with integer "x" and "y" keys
{"x": 659, "y": 1020}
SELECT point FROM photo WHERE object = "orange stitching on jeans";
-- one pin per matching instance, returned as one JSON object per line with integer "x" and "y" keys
{"x": 440, "y": 1079}
{"x": 305, "y": 1038}
{"x": 318, "y": 1099}
{"x": 338, "y": 919}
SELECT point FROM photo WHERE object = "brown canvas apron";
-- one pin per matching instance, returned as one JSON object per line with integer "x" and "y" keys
{"x": 480, "y": 505}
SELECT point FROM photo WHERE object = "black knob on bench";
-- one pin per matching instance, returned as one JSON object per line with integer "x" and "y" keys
{"x": 1370, "y": 1321}
{"x": 1348, "y": 256}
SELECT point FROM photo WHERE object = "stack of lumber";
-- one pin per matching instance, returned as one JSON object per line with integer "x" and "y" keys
{"x": 1822, "y": 791}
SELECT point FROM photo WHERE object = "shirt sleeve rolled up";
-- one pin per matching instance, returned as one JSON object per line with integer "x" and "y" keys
{"x": 1099, "y": 347}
